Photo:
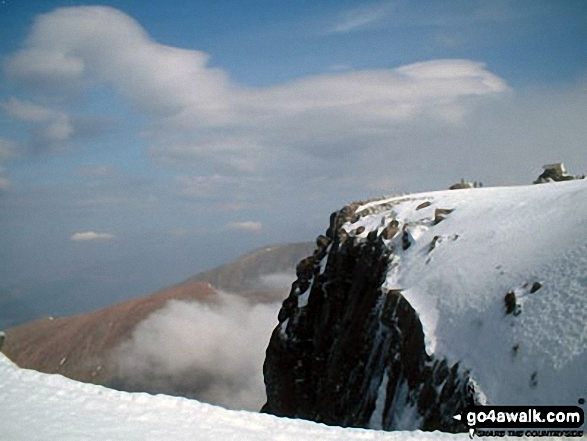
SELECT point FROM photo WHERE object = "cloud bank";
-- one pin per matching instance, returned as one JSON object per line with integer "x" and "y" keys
{"x": 212, "y": 352}
{"x": 198, "y": 115}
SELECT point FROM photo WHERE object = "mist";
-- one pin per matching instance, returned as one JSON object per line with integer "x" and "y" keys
{"x": 211, "y": 352}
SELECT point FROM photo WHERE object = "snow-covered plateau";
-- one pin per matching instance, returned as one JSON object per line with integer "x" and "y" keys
{"x": 493, "y": 242}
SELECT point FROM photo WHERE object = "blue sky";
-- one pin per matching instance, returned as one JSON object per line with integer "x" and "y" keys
{"x": 142, "y": 141}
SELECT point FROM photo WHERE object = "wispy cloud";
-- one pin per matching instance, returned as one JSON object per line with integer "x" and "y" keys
{"x": 7, "y": 148}
{"x": 51, "y": 127}
{"x": 4, "y": 181}
{"x": 207, "y": 186}
{"x": 91, "y": 236}
{"x": 250, "y": 226}
{"x": 96, "y": 171}
{"x": 360, "y": 18}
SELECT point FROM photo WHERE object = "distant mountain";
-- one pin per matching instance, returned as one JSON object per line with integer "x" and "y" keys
{"x": 414, "y": 307}
{"x": 79, "y": 347}
{"x": 258, "y": 270}
{"x": 89, "y": 347}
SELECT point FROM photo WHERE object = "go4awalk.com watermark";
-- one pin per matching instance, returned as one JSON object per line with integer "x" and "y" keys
{"x": 523, "y": 420}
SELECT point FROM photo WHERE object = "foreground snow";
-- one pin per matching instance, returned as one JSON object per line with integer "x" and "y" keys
{"x": 36, "y": 406}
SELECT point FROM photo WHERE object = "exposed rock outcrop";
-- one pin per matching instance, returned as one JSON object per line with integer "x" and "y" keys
{"x": 349, "y": 352}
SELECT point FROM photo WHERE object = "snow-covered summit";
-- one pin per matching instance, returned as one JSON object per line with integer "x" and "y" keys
{"x": 530, "y": 241}
{"x": 410, "y": 303}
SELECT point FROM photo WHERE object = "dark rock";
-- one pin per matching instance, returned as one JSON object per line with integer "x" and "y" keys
{"x": 330, "y": 364}
{"x": 440, "y": 214}
{"x": 406, "y": 243}
{"x": 305, "y": 269}
{"x": 554, "y": 175}
{"x": 322, "y": 241}
{"x": 390, "y": 230}
{"x": 423, "y": 205}
{"x": 510, "y": 303}
{"x": 360, "y": 230}
{"x": 535, "y": 287}
{"x": 433, "y": 243}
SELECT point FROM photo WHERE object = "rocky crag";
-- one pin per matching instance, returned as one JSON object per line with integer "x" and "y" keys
{"x": 343, "y": 338}
{"x": 414, "y": 307}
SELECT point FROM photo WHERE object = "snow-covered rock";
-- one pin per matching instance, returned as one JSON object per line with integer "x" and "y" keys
{"x": 416, "y": 306}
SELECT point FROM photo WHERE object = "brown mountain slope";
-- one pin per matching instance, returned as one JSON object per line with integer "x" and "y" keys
{"x": 214, "y": 354}
{"x": 246, "y": 273}
{"x": 78, "y": 347}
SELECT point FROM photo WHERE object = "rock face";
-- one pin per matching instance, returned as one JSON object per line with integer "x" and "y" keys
{"x": 349, "y": 352}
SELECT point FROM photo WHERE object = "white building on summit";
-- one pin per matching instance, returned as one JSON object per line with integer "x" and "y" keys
{"x": 554, "y": 173}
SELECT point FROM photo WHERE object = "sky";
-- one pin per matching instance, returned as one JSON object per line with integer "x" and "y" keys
{"x": 142, "y": 142}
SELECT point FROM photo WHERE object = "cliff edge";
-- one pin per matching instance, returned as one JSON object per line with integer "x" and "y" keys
{"x": 413, "y": 307}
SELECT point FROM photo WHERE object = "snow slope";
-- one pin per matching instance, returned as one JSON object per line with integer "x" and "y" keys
{"x": 36, "y": 406}
{"x": 456, "y": 273}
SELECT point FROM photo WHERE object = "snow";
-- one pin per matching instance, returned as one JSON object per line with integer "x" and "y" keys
{"x": 303, "y": 298}
{"x": 457, "y": 272}
{"x": 38, "y": 406}
{"x": 376, "y": 420}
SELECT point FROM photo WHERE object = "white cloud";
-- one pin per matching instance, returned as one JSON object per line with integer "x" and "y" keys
{"x": 212, "y": 352}
{"x": 415, "y": 126}
{"x": 239, "y": 154}
{"x": 96, "y": 43}
{"x": 197, "y": 116}
{"x": 51, "y": 126}
{"x": 91, "y": 236}
{"x": 251, "y": 226}
{"x": 278, "y": 281}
